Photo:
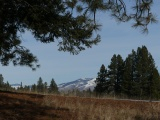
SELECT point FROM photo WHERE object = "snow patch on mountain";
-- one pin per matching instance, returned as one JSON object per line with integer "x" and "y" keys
{"x": 80, "y": 84}
{"x": 16, "y": 86}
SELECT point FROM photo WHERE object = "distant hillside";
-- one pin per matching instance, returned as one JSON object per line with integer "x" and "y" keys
{"x": 80, "y": 84}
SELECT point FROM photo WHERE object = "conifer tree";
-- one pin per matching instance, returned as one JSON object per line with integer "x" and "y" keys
{"x": 129, "y": 83}
{"x": 7, "y": 86}
{"x": 154, "y": 85}
{"x": 120, "y": 70}
{"x": 145, "y": 66}
{"x": 115, "y": 74}
{"x": 112, "y": 74}
{"x": 40, "y": 86}
{"x": 153, "y": 80}
{"x": 127, "y": 77}
{"x": 26, "y": 88}
{"x": 101, "y": 81}
{"x": 53, "y": 87}
{"x": 142, "y": 55}
{"x": 1, "y": 81}
{"x": 140, "y": 77}
{"x": 45, "y": 87}
{"x": 21, "y": 86}
{"x": 34, "y": 88}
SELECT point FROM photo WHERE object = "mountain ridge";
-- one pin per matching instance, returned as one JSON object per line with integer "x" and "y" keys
{"x": 79, "y": 84}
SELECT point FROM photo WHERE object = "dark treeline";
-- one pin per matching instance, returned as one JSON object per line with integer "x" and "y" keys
{"x": 134, "y": 77}
{"x": 40, "y": 87}
{"x": 4, "y": 86}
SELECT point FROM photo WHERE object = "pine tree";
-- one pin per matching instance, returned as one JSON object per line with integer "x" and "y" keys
{"x": 145, "y": 66}
{"x": 21, "y": 86}
{"x": 154, "y": 85}
{"x": 53, "y": 87}
{"x": 143, "y": 70}
{"x": 101, "y": 81}
{"x": 129, "y": 83}
{"x": 26, "y": 88}
{"x": 120, "y": 70}
{"x": 127, "y": 77}
{"x": 34, "y": 88}
{"x": 140, "y": 78}
{"x": 115, "y": 74}
{"x": 112, "y": 74}
{"x": 7, "y": 86}
{"x": 1, "y": 81}
{"x": 40, "y": 86}
{"x": 45, "y": 87}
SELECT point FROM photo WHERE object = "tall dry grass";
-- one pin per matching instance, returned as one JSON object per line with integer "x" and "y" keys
{"x": 105, "y": 109}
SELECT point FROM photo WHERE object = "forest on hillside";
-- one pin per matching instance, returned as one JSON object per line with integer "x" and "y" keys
{"x": 136, "y": 76}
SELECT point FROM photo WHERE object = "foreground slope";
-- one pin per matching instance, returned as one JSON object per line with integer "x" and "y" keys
{"x": 22, "y": 106}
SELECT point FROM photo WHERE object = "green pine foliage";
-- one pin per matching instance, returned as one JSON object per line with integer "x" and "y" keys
{"x": 43, "y": 87}
{"x": 154, "y": 85}
{"x": 129, "y": 75}
{"x": 34, "y": 88}
{"x": 48, "y": 21}
{"x": 120, "y": 67}
{"x": 135, "y": 77}
{"x": 40, "y": 86}
{"x": 1, "y": 81}
{"x": 4, "y": 86}
{"x": 7, "y": 86}
{"x": 55, "y": 21}
{"x": 101, "y": 81}
{"x": 53, "y": 87}
{"x": 115, "y": 72}
{"x": 145, "y": 67}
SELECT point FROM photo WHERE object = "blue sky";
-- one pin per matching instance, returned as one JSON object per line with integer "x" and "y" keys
{"x": 64, "y": 67}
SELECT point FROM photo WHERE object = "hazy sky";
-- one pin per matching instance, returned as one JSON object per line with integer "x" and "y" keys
{"x": 64, "y": 67}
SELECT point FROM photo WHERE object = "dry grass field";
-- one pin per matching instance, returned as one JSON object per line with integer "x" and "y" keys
{"x": 25, "y": 106}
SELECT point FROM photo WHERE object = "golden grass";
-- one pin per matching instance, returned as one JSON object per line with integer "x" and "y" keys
{"x": 105, "y": 109}
{"x": 25, "y": 106}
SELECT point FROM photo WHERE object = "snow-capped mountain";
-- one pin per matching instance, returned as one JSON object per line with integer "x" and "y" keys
{"x": 80, "y": 84}
{"x": 16, "y": 86}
